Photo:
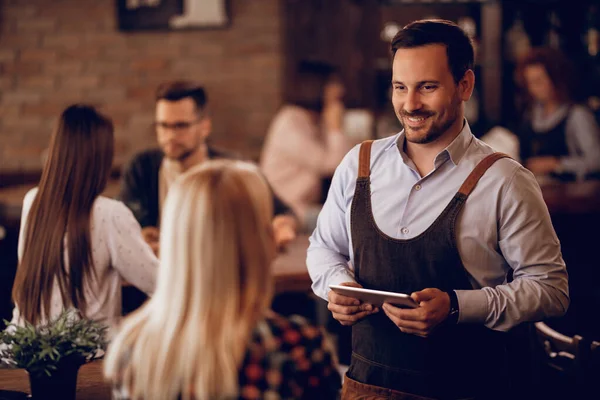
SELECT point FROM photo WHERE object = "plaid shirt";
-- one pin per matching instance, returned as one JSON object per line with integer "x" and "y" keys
{"x": 287, "y": 358}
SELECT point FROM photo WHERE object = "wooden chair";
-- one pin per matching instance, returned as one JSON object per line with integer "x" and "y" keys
{"x": 565, "y": 363}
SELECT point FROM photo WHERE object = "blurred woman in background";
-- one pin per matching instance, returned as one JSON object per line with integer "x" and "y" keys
{"x": 558, "y": 136}
{"x": 305, "y": 142}
{"x": 76, "y": 246}
{"x": 216, "y": 337}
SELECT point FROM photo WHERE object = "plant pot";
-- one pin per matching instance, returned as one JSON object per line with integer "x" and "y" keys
{"x": 62, "y": 384}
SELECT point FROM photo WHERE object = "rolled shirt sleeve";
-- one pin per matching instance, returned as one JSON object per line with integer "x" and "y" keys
{"x": 329, "y": 251}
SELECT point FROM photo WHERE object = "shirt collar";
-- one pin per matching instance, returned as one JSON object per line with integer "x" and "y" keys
{"x": 455, "y": 150}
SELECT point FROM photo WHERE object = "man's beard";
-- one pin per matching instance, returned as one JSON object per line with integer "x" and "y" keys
{"x": 186, "y": 153}
{"x": 437, "y": 129}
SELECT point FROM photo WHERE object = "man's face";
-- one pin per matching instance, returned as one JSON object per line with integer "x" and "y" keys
{"x": 180, "y": 128}
{"x": 539, "y": 85}
{"x": 426, "y": 99}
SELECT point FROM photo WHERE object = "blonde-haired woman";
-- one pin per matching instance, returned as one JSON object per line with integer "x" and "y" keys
{"x": 207, "y": 332}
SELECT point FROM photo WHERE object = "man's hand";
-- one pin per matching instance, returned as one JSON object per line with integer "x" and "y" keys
{"x": 284, "y": 230}
{"x": 151, "y": 235}
{"x": 434, "y": 306}
{"x": 348, "y": 310}
{"x": 542, "y": 165}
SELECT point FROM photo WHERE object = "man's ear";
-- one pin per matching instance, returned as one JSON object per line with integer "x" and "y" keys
{"x": 466, "y": 85}
{"x": 206, "y": 127}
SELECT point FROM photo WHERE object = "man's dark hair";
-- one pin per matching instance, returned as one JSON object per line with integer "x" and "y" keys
{"x": 459, "y": 47}
{"x": 177, "y": 90}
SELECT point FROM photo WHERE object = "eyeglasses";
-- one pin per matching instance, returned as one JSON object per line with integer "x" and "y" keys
{"x": 176, "y": 126}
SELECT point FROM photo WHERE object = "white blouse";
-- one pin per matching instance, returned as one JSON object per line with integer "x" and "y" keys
{"x": 296, "y": 155}
{"x": 119, "y": 253}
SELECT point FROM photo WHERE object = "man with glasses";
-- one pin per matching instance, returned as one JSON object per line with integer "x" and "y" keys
{"x": 182, "y": 127}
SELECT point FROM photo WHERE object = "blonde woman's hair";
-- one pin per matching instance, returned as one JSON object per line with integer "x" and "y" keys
{"x": 213, "y": 287}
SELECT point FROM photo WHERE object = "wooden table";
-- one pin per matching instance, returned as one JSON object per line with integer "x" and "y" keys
{"x": 289, "y": 268}
{"x": 572, "y": 197}
{"x": 90, "y": 381}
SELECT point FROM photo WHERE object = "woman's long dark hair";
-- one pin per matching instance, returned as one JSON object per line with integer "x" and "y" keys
{"x": 79, "y": 163}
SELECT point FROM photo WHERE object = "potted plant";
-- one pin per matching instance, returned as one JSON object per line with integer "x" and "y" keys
{"x": 52, "y": 353}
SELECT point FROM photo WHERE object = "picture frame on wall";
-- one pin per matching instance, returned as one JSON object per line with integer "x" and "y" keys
{"x": 144, "y": 15}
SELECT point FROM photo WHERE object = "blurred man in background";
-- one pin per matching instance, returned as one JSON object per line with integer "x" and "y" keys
{"x": 182, "y": 127}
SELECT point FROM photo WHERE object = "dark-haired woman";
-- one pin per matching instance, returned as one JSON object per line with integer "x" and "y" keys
{"x": 305, "y": 142}
{"x": 75, "y": 246}
{"x": 558, "y": 135}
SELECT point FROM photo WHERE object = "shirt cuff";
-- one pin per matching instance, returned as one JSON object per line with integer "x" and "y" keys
{"x": 338, "y": 279}
{"x": 473, "y": 306}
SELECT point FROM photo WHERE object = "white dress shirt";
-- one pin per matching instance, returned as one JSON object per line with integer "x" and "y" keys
{"x": 504, "y": 225}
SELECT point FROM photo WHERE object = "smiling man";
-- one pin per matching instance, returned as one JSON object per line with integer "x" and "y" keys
{"x": 182, "y": 125}
{"x": 433, "y": 212}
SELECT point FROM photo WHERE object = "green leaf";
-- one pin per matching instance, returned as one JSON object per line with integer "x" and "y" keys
{"x": 40, "y": 349}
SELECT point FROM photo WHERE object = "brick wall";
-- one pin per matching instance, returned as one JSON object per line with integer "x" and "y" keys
{"x": 56, "y": 52}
